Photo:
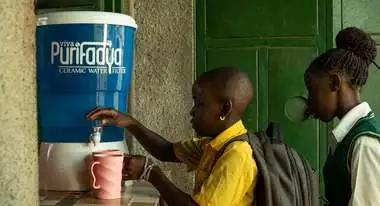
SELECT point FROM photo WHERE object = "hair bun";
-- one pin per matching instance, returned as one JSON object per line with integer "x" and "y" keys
{"x": 357, "y": 41}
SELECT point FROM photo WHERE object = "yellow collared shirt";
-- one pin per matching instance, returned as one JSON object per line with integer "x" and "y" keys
{"x": 230, "y": 180}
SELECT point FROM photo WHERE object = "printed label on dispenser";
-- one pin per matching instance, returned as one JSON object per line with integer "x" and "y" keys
{"x": 87, "y": 57}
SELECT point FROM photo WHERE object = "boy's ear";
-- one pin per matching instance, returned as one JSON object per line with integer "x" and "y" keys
{"x": 335, "y": 82}
{"x": 226, "y": 108}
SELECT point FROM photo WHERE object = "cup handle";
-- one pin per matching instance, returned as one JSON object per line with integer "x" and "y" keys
{"x": 93, "y": 175}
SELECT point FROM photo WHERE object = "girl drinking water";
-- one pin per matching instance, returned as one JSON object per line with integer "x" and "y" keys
{"x": 333, "y": 80}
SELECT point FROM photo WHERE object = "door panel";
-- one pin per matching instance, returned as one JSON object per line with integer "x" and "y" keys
{"x": 260, "y": 18}
{"x": 286, "y": 68}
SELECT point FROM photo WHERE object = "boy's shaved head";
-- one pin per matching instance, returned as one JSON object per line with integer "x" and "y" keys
{"x": 220, "y": 98}
{"x": 228, "y": 83}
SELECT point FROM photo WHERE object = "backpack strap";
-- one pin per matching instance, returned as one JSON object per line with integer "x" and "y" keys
{"x": 241, "y": 138}
{"x": 274, "y": 132}
{"x": 256, "y": 139}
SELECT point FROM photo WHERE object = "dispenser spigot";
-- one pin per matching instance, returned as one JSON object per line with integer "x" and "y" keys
{"x": 96, "y": 134}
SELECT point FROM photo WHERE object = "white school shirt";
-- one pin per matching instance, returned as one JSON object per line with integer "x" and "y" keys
{"x": 365, "y": 162}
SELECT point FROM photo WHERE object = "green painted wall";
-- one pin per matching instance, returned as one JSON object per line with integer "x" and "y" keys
{"x": 365, "y": 15}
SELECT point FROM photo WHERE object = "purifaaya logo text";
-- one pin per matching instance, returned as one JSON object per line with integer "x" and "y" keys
{"x": 87, "y": 57}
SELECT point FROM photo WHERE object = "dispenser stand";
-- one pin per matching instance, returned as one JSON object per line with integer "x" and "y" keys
{"x": 64, "y": 166}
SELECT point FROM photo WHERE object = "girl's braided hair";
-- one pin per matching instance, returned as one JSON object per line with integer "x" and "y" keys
{"x": 355, "y": 51}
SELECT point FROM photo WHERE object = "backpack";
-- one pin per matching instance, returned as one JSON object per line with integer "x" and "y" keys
{"x": 284, "y": 178}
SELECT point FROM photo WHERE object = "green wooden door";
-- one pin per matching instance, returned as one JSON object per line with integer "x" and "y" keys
{"x": 365, "y": 15}
{"x": 273, "y": 41}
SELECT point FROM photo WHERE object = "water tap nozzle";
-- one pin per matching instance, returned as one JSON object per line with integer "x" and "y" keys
{"x": 96, "y": 134}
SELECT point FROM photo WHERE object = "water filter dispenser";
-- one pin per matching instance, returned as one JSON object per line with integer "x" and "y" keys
{"x": 84, "y": 60}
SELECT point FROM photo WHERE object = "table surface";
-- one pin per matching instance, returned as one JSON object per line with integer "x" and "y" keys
{"x": 138, "y": 194}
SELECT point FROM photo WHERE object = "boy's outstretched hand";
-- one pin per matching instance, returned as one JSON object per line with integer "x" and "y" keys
{"x": 110, "y": 116}
{"x": 133, "y": 166}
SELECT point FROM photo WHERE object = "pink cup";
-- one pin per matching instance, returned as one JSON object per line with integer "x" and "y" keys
{"x": 106, "y": 172}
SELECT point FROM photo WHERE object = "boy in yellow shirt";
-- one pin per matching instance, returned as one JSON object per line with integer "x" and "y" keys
{"x": 228, "y": 179}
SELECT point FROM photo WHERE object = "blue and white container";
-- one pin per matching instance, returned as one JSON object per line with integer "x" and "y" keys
{"x": 84, "y": 60}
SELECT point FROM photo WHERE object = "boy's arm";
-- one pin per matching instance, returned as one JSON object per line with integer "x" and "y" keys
{"x": 151, "y": 141}
{"x": 156, "y": 145}
{"x": 171, "y": 194}
{"x": 190, "y": 151}
{"x": 139, "y": 167}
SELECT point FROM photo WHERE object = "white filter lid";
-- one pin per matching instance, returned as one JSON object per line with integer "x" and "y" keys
{"x": 85, "y": 17}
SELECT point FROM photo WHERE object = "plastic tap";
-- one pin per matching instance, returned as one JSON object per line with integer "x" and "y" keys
{"x": 96, "y": 133}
